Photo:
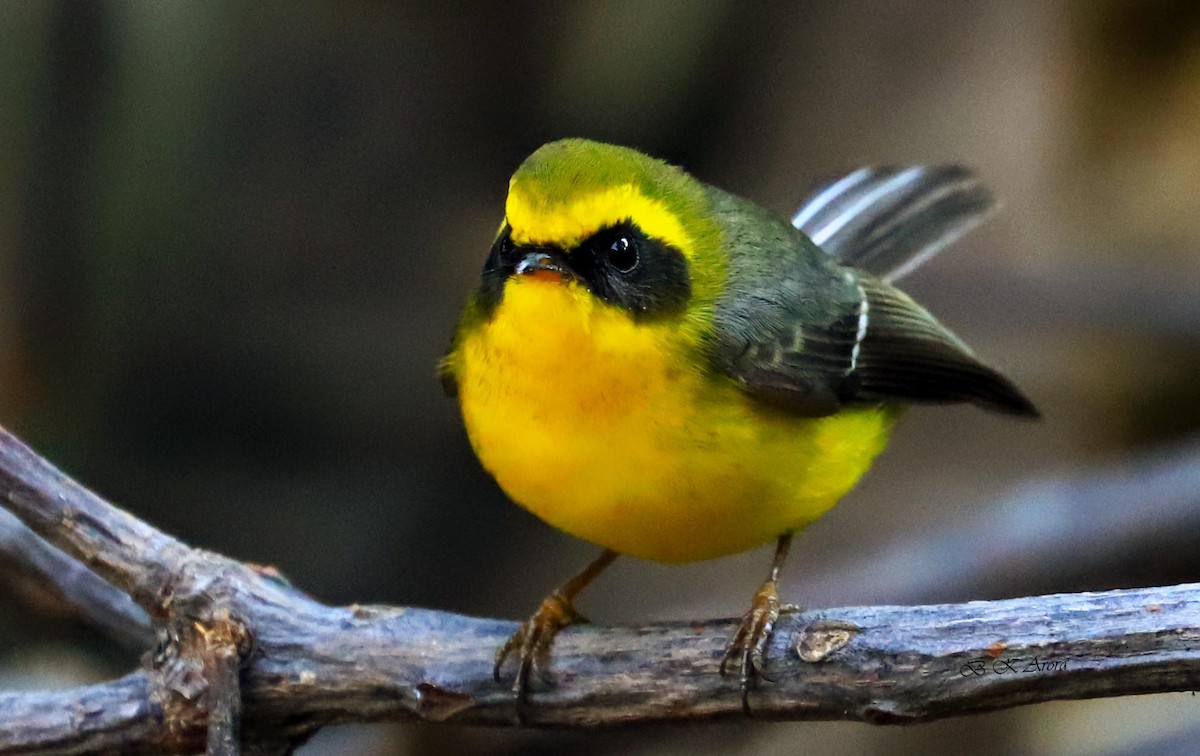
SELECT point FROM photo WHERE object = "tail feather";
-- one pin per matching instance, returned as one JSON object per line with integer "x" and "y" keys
{"x": 889, "y": 220}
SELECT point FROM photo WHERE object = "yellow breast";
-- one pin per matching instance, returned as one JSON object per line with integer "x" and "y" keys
{"x": 601, "y": 427}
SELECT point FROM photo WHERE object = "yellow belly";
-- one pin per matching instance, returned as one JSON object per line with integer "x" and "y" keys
{"x": 598, "y": 426}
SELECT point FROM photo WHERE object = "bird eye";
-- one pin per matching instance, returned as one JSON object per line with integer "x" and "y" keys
{"x": 623, "y": 253}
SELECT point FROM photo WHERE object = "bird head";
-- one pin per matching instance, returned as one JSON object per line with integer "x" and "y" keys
{"x": 634, "y": 232}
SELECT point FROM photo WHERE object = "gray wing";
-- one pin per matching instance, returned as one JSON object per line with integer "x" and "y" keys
{"x": 801, "y": 331}
{"x": 905, "y": 353}
{"x": 889, "y": 220}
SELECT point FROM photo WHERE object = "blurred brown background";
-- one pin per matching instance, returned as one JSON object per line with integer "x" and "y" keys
{"x": 234, "y": 238}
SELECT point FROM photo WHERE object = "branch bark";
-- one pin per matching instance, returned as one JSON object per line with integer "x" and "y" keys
{"x": 108, "y": 608}
{"x": 304, "y": 665}
{"x": 316, "y": 666}
{"x": 120, "y": 548}
{"x": 226, "y": 642}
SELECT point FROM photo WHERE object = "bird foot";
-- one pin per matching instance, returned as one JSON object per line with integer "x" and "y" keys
{"x": 532, "y": 643}
{"x": 748, "y": 647}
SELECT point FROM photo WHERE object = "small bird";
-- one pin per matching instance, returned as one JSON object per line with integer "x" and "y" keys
{"x": 674, "y": 373}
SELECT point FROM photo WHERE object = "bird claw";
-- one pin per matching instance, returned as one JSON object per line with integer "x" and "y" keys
{"x": 748, "y": 647}
{"x": 532, "y": 642}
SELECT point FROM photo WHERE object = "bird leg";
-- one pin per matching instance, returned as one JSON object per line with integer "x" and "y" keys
{"x": 748, "y": 646}
{"x": 532, "y": 640}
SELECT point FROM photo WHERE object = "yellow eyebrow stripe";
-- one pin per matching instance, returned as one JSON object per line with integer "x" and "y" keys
{"x": 565, "y": 225}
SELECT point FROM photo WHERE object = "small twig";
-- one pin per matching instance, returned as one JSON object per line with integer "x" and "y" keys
{"x": 114, "y": 544}
{"x": 106, "y": 607}
{"x": 224, "y": 642}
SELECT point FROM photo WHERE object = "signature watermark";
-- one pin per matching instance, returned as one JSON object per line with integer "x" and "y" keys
{"x": 1013, "y": 665}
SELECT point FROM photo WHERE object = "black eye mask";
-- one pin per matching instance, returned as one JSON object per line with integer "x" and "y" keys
{"x": 619, "y": 264}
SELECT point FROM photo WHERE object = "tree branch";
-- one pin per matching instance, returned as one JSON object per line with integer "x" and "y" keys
{"x": 92, "y": 719}
{"x": 305, "y": 665}
{"x": 316, "y": 666}
{"x": 227, "y": 643}
{"x": 114, "y": 544}
{"x": 107, "y": 607}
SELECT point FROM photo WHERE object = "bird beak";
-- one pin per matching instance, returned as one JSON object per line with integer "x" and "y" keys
{"x": 539, "y": 264}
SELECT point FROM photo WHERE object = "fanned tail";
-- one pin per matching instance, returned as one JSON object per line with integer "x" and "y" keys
{"x": 889, "y": 220}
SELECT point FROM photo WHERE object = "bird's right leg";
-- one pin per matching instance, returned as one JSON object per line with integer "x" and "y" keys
{"x": 532, "y": 640}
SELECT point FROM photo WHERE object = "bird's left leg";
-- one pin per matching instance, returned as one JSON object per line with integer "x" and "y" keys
{"x": 748, "y": 646}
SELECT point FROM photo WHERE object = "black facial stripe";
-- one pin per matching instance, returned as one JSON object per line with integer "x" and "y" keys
{"x": 627, "y": 268}
{"x": 496, "y": 269}
{"x": 619, "y": 264}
